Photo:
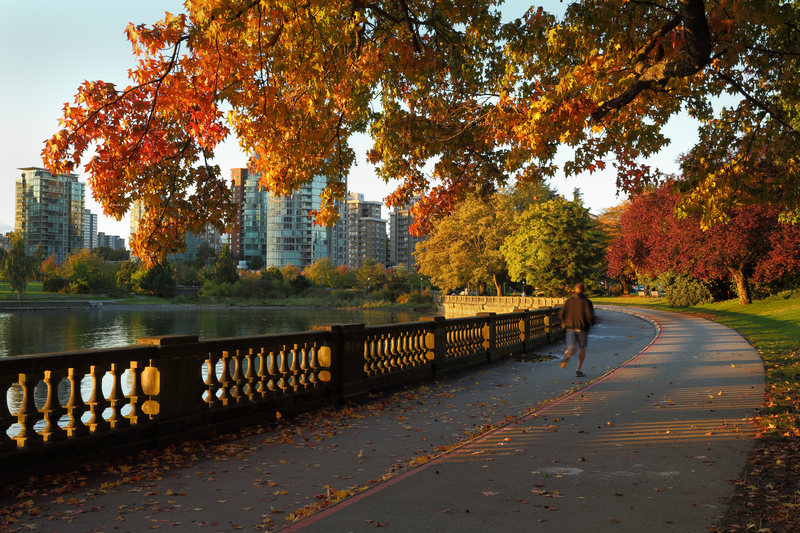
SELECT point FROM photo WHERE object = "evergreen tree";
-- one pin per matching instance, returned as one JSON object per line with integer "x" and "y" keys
{"x": 225, "y": 268}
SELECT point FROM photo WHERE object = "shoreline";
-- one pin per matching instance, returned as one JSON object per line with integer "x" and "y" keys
{"x": 96, "y": 305}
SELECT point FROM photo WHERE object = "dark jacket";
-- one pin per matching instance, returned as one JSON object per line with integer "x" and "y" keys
{"x": 577, "y": 312}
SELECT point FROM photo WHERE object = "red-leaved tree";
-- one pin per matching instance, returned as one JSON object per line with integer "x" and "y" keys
{"x": 752, "y": 243}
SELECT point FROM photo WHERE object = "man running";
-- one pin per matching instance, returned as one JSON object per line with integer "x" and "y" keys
{"x": 577, "y": 314}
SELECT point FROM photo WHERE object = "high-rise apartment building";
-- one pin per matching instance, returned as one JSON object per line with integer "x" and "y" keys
{"x": 49, "y": 212}
{"x": 366, "y": 231}
{"x": 280, "y": 229}
{"x": 89, "y": 230}
{"x": 115, "y": 242}
{"x": 401, "y": 243}
{"x": 238, "y": 178}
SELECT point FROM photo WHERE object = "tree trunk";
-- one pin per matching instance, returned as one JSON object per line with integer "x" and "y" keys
{"x": 742, "y": 285}
{"x": 497, "y": 284}
{"x": 482, "y": 288}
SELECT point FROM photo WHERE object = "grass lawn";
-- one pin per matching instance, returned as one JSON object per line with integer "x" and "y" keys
{"x": 773, "y": 328}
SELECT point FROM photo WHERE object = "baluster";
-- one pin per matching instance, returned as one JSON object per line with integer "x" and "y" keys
{"x": 212, "y": 383}
{"x": 28, "y": 415}
{"x": 117, "y": 399}
{"x": 283, "y": 369}
{"x": 225, "y": 381}
{"x": 250, "y": 376}
{"x": 391, "y": 360}
{"x": 377, "y": 343}
{"x": 295, "y": 368}
{"x": 261, "y": 373}
{"x": 373, "y": 356}
{"x": 238, "y": 379}
{"x": 52, "y": 410}
{"x": 273, "y": 371}
{"x": 136, "y": 416}
{"x": 313, "y": 366}
{"x": 413, "y": 348}
{"x": 375, "y": 346}
{"x": 303, "y": 353}
{"x": 395, "y": 361}
{"x": 76, "y": 406}
{"x": 97, "y": 403}
{"x": 6, "y": 419}
{"x": 367, "y": 359}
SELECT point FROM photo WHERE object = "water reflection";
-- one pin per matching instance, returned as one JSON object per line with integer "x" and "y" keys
{"x": 47, "y": 331}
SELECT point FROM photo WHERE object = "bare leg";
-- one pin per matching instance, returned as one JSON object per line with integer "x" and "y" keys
{"x": 581, "y": 357}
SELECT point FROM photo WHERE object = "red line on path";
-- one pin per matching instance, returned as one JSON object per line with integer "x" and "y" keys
{"x": 386, "y": 484}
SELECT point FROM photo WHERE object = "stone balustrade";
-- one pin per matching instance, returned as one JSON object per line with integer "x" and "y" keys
{"x": 457, "y": 306}
{"x": 64, "y": 409}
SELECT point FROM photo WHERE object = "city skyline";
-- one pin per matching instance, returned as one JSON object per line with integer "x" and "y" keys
{"x": 70, "y": 45}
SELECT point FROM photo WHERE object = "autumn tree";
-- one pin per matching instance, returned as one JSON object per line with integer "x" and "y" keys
{"x": 556, "y": 244}
{"x": 609, "y": 223}
{"x": 18, "y": 266}
{"x": 371, "y": 276}
{"x": 439, "y": 83}
{"x": 321, "y": 272}
{"x": 125, "y": 274}
{"x": 752, "y": 241}
{"x": 464, "y": 247}
{"x": 85, "y": 272}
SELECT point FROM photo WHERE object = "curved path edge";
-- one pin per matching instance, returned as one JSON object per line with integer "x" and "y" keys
{"x": 653, "y": 442}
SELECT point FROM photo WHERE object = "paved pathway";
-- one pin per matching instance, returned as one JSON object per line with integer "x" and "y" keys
{"x": 648, "y": 446}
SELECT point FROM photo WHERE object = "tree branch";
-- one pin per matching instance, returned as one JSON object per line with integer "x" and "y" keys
{"x": 758, "y": 103}
{"x": 698, "y": 44}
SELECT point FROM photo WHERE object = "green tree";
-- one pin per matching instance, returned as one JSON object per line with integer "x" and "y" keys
{"x": 274, "y": 273}
{"x": 322, "y": 272}
{"x": 158, "y": 280}
{"x": 52, "y": 275}
{"x": 125, "y": 275}
{"x": 256, "y": 263}
{"x": 205, "y": 255}
{"x": 345, "y": 277}
{"x": 18, "y": 266}
{"x": 225, "y": 268}
{"x": 371, "y": 276}
{"x": 556, "y": 244}
{"x": 85, "y": 273}
{"x": 464, "y": 247}
{"x": 119, "y": 254}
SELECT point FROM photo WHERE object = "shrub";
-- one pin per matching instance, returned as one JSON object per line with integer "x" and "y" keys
{"x": 684, "y": 290}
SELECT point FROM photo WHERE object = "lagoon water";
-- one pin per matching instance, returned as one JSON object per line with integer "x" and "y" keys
{"x": 40, "y": 331}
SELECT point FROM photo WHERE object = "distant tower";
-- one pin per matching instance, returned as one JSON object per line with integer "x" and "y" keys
{"x": 280, "y": 230}
{"x": 89, "y": 230}
{"x": 49, "y": 212}
{"x": 401, "y": 243}
{"x": 238, "y": 178}
{"x": 366, "y": 231}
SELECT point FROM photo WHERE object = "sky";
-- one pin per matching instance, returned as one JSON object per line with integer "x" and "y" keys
{"x": 49, "y": 47}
